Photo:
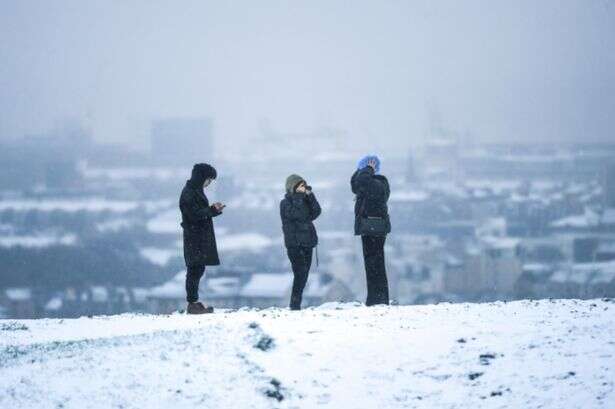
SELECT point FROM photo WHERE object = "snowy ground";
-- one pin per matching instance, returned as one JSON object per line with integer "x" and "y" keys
{"x": 547, "y": 354}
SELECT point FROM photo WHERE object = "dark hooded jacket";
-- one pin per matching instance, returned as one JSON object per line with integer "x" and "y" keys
{"x": 372, "y": 194}
{"x": 298, "y": 212}
{"x": 199, "y": 236}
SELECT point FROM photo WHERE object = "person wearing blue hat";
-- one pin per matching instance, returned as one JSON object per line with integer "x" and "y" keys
{"x": 372, "y": 223}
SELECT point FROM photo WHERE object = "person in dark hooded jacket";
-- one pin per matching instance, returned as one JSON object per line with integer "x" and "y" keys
{"x": 200, "y": 248}
{"x": 372, "y": 193}
{"x": 298, "y": 210}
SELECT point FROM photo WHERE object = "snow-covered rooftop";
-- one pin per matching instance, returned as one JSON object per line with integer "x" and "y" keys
{"x": 91, "y": 204}
{"x": 607, "y": 247}
{"x": 99, "y": 294}
{"x": 54, "y": 304}
{"x": 174, "y": 288}
{"x": 333, "y": 234}
{"x": 18, "y": 294}
{"x": 587, "y": 219}
{"x": 222, "y": 286}
{"x": 159, "y": 256}
{"x": 501, "y": 242}
{"x": 165, "y": 222}
{"x": 608, "y": 217}
{"x": 538, "y": 268}
{"x": 316, "y": 287}
{"x": 586, "y": 273}
{"x": 38, "y": 241}
{"x": 267, "y": 285}
{"x": 409, "y": 196}
{"x": 136, "y": 173}
{"x": 247, "y": 241}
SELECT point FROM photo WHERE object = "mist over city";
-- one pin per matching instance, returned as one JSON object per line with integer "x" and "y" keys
{"x": 493, "y": 123}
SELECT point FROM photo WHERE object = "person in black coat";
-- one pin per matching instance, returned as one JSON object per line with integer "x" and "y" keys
{"x": 200, "y": 248}
{"x": 372, "y": 193}
{"x": 298, "y": 210}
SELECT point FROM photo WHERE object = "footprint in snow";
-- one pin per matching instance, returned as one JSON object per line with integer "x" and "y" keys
{"x": 485, "y": 359}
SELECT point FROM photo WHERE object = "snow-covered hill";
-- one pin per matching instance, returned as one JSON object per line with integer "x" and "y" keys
{"x": 547, "y": 354}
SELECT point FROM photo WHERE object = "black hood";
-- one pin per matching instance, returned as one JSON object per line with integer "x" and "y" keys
{"x": 201, "y": 172}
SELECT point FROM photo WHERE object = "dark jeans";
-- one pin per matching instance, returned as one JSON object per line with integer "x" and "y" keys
{"x": 301, "y": 261}
{"x": 193, "y": 277}
{"x": 377, "y": 284}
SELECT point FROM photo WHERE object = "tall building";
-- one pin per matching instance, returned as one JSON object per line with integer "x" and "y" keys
{"x": 182, "y": 140}
{"x": 412, "y": 175}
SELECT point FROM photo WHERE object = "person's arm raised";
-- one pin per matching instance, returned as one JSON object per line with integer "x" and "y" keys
{"x": 361, "y": 179}
{"x": 315, "y": 209}
{"x": 195, "y": 211}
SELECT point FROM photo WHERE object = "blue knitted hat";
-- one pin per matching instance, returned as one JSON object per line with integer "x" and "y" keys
{"x": 363, "y": 162}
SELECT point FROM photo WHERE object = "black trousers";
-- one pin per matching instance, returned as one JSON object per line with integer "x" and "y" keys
{"x": 377, "y": 283}
{"x": 301, "y": 261}
{"x": 193, "y": 277}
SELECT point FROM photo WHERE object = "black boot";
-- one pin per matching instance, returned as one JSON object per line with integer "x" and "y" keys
{"x": 198, "y": 308}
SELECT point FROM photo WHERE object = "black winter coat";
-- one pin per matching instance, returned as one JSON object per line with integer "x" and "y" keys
{"x": 199, "y": 236}
{"x": 298, "y": 211}
{"x": 372, "y": 194}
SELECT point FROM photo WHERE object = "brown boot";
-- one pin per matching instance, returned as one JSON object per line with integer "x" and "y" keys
{"x": 198, "y": 308}
{"x": 207, "y": 309}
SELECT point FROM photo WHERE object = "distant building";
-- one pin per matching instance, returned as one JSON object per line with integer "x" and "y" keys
{"x": 19, "y": 303}
{"x": 583, "y": 280}
{"x": 266, "y": 290}
{"x": 61, "y": 173}
{"x": 609, "y": 186}
{"x": 325, "y": 145}
{"x": 412, "y": 175}
{"x": 440, "y": 159}
{"x": 168, "y": 297}
{"x": 549, "y": 249}
{"x": 53, "y": 307}
{"x": 39, "y": 162}
{"x": 415, "y": 268}
{"x": 605, "y": 251}
{"x": 607, "y": 220}
{"x": 260, "y": 290}
{"x": 269, "y": 290}
{"x": 182, "y": 140}
{"x": 91, "y": 300}
{"x": 491, "y": 269}
{"x": 533, "y": 282}
{"x": 587, "y": 222}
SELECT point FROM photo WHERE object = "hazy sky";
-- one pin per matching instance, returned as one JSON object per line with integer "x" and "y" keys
{"x": 493, "y": 70}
